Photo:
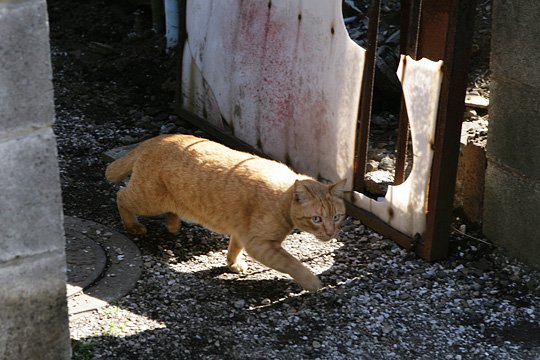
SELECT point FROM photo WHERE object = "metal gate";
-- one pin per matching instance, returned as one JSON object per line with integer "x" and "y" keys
{"x": 279, "y": 78}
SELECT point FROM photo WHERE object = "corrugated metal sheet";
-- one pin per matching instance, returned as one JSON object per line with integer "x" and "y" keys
{"x": 282, "y": 75}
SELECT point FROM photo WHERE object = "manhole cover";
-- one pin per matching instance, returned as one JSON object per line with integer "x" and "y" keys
{"x": 86, "y": 260}
{"x": 102, "y": 265}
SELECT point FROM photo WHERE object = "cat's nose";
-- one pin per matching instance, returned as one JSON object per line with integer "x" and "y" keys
{"x": 330, "y": 230}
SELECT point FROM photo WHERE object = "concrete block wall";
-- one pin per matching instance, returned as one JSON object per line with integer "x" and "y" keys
{"x": 512, "y": 193}
{"x": 33, "y": 309}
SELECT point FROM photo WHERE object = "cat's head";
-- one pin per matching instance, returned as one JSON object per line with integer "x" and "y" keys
{"x": 318, "y": 208}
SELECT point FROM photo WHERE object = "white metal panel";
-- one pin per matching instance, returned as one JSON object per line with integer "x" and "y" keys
{"x": 405, "y": 206}
{"x": 283, "y": 74}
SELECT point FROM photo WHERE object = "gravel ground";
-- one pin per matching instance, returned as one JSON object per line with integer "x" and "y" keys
{"x": 113, "y": 87}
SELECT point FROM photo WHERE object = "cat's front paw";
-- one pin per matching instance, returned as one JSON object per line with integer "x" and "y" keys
{"x": 311, "y": 284}
{"x": 238, "y": 267}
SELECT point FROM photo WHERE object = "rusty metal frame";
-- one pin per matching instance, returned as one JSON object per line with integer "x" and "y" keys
{"x": 366, "y": 96}
{"x": 437, "y": 30}
{"x": 456, "y": 34}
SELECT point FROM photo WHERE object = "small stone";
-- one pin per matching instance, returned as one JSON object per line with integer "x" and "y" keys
{"x": 266, "y": 302}
{"x": 239, "y": 304}
{"x": 379, "y": 121}
{"x": 144, "y": 120}
{"x": 377, "y": 181}
{"x": 476, "y": 101}
{"x": 316, "y": 344}
{"x": 127, "y": 139}
{"x": 470, "y": 114}
{"x": 386, "y": 329}
{"x": 167, "y": 128}
{"x": 372, "y": 165}
{"x": 387, "y": 163}
{"x": 404, "y": 296}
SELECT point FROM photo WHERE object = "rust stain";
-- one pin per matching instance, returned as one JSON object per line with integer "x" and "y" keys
{"x": 275, "y": 108}
{"x": 204, "y": 111}
{"x": 231, "y": 127}
{"x": 192, "y": 87}
{"x": 390, "y": 213}
{"x": 288, "y": 160}
{"x": 237, "y": 111}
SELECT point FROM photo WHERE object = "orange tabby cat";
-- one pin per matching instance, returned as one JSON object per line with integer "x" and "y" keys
{"x": 257, "y": 202}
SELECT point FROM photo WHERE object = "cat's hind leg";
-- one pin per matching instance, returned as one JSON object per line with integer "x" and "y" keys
{"x": 235, "y": 260}
{"x": 271, "y": 254}
{"x": 174, "y": 223}
{"x": 128, "y": 212}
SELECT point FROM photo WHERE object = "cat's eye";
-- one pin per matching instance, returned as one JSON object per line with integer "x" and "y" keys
{"x": 337, "y": 217}
{"x": 316, "y": 219}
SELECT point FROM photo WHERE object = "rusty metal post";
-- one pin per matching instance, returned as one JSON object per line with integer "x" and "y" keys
{"x": 362, "y": 131}
{"x": 445, "y": 33}
{"x": 182, "y": 39}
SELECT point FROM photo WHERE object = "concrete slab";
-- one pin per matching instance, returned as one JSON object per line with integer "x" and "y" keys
{"x": 511, "y": 216}
{"x": 25, "y": 71}
{"x": 33, "y": 305}
{"x": 30, "y": 197}
{"x": 514, "y": 126}
{"x": 123, "y": 268}
{"x": 515, "y": 46}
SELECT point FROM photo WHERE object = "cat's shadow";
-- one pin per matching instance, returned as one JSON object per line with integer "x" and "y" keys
{"x": 259, "y": 285}
{"x": 191, "y": 241}
{"x": 259, "y": 289}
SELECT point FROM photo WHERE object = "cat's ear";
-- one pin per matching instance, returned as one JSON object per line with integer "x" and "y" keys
{"x": 301, "y": 192}
{"x": 338, "y": 189}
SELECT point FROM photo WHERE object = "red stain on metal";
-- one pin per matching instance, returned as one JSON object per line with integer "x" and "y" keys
{"x": 281, "y": 79}
{"x": 261, "y": 44}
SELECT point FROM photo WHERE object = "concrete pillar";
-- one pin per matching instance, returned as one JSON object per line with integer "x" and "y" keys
{"x": 33, "y": 309}
{"x": 512, "y": 195}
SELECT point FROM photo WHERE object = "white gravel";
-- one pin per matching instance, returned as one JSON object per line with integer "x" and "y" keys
{"x": 379, "y": 302}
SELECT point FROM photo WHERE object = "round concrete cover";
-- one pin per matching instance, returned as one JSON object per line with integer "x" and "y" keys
{"x": 86, "y": 261}
{"x": 102, "y": 265}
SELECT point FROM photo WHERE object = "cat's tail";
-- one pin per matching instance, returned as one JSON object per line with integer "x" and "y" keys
{"x": 121, "y": 168}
